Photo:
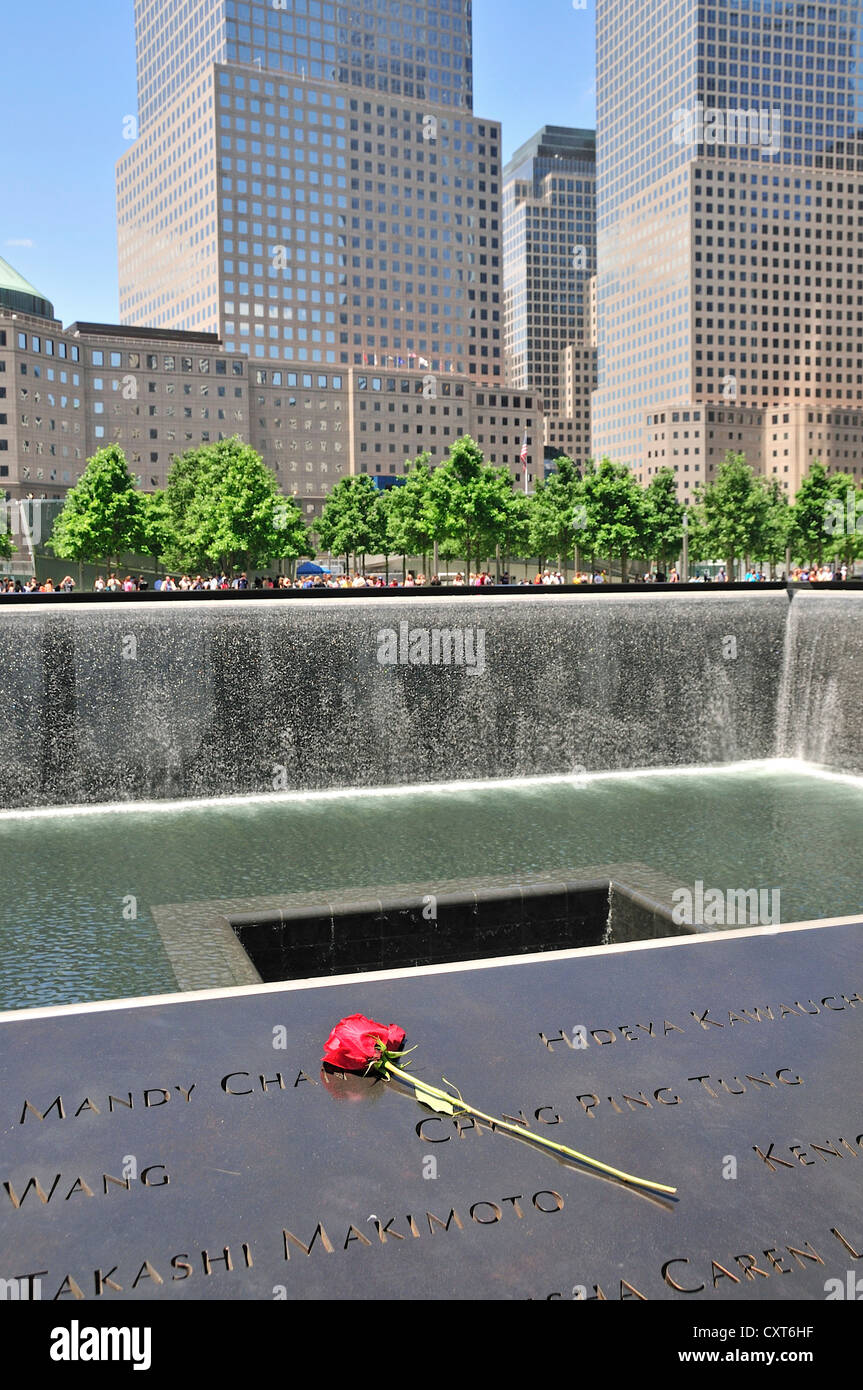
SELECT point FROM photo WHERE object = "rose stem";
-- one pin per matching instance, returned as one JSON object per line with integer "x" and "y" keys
{"x": 418, "y": 1084}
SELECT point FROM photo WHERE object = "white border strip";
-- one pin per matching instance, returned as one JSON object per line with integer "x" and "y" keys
{"x": 787, "y": 766}
{"x": 336, "y": 600}
{"x": 416, "y": 971}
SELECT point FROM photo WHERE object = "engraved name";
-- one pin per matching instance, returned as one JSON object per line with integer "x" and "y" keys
{"x": 701, "y": 1018}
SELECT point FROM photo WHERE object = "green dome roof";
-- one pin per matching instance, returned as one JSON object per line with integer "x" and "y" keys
{"x": 18, "y": 294}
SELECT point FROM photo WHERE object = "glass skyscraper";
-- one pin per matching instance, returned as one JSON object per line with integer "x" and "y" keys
{"x": 549, "y": 231}
{"x": 418, "y": 50}
{"x": 730, "y": 235}
{"x": 309, "y": 181}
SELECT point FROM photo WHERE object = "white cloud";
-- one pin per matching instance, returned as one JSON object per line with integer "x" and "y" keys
{"x": 19, "y": 241}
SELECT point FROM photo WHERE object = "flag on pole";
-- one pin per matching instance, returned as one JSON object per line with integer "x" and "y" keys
{"x": 523, "y": 459}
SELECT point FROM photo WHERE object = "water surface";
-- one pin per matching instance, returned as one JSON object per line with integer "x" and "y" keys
{"x": 71, "y": 880}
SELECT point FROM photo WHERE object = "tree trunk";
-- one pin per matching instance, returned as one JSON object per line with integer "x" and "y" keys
{"x": 624, "y": 563}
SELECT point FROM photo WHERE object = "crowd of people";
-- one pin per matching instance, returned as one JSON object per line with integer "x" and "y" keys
{"x": 112, "y": 583}
{"x": 820, "y": 574}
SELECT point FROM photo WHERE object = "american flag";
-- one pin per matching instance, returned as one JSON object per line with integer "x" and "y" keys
{"x": 523, "y": 459}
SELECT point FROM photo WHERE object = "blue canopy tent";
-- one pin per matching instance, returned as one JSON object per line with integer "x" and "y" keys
{"x": 309, "y": 567}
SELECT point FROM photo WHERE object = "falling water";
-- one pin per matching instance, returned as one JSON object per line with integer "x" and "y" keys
{"x": 107, "y": 703}
{"x": 821, "y": 687}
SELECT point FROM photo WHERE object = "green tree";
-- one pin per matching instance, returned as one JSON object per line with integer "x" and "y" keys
{"x": 293, "y": 539}
{"x": 351, "y": 521}
{"x": 663, "y": 519}
{"x": 515, "y": 526}
{"x": 844, "y": 521}
{"x": 507, "y": 523}
{"x": 810, "y": 515}
{"x": 102, "y": 518}
{"x": 615, "y": 513}
{"x": 7, "y": 547}
{"x": 471, "y": 504}
{"x": 225, "y": 510}
{"x": 169, "y": 517}
{"x": 457, "y": 501}
{"x": 734, "y": 509}
{"x": 698, "y": 544}
{"x": 555, "y": 511}
{"x": 156, "y": 524}
{"x": 777, "y": 525}
{"x": 406, "y": 512}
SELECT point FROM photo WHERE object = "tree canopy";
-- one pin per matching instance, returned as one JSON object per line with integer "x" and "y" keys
{"x": 734, "y": 512}
{"x": 223, "y": 508}
{"x": 352, "y": 522}
{"x": 103, "y": 517}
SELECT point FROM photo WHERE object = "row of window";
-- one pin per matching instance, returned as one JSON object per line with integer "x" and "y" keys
{"x": 44, "y": 345}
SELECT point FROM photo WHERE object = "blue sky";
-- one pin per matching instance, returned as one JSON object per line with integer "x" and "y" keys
{"x": 69, "y": 81}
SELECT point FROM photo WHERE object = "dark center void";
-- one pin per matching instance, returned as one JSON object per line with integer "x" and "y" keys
{"x": 338, "y": 939}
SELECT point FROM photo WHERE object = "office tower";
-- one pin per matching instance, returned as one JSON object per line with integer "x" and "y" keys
{"x": 421, "y": 50}
{"x": 308, "y": 206}
{"x": 549, "y": 243}
{"x": 729, "y": 202}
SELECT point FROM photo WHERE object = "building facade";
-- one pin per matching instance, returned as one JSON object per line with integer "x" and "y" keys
{"x": 730, "y": 234}
{"x": 421, "y": 50}
{"x": 307, "y": 206}
{"x": 67, "y": 392}
{"x": 549, "y": 233}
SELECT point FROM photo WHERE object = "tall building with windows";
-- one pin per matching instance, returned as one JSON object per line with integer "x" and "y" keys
{"x": 730, "y": 235}
{"x": 421, "y": 49}
{"x": 549, "y": 247}
{"x": 309, "y": 181}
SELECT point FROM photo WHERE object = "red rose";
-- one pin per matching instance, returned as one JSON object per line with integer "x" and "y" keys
{"x": 353, "y": 1043}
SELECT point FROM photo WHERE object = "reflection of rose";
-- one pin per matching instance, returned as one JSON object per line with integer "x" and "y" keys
{"x": 355, "y": 1042}
{"x": 351, "y": 1085}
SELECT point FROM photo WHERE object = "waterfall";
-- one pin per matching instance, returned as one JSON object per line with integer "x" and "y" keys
{"x": 154, "y": 701}
{"x": 821, "y": 689}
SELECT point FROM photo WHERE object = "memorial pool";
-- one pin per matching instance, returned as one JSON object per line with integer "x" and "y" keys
{"x": 79, "y": 888}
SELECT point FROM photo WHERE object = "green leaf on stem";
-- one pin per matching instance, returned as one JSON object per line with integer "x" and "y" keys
{"x": 436, "y": 1103}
